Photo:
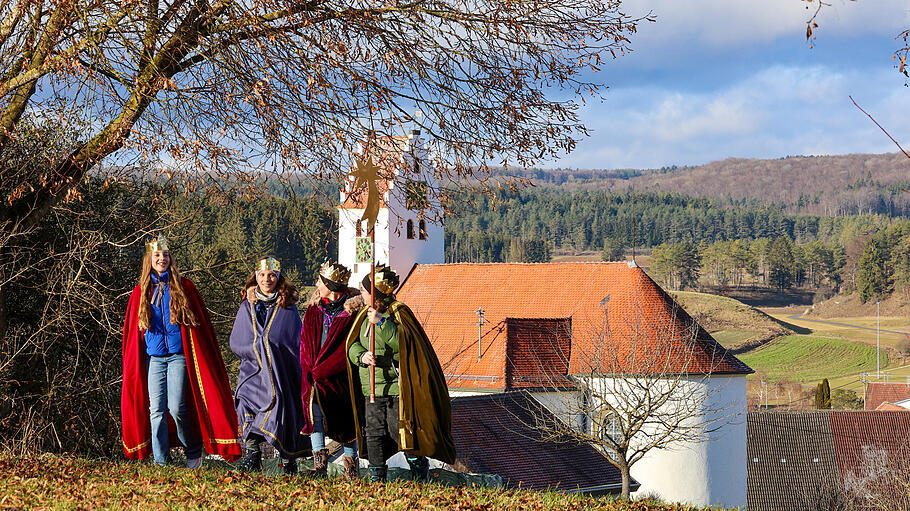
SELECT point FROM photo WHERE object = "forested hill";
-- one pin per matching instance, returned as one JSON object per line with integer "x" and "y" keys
{"x": 816, "y": 185}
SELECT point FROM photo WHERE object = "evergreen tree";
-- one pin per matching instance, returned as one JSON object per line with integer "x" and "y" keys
{"x": 872, "y": 278}
{"x": 782, "y": 265}
{"x": 613, "y": 250}
{"x": 823, "y": 395}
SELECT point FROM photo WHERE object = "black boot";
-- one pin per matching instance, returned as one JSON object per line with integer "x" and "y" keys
{"x": 320, "y": 464}
{"x": 252, "y": 456}
{"x": 420, "y": 468}
{"x": 289, "y": 466}
{"x": 377, "y": 474}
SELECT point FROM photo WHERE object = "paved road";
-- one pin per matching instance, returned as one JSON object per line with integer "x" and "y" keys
{"x": 801, "y": 318}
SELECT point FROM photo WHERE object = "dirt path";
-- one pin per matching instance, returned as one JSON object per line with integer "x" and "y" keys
{"x": 800, "y": 317}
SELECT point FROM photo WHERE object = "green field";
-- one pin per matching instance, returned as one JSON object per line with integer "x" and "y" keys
{"x": 803, "y": 358}
{"x": 887, "y": 339}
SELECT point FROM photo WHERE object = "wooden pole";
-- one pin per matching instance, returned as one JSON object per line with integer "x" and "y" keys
{"x": 373, "y": 306}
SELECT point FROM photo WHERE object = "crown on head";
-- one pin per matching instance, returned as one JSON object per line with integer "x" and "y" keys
{"x": 269, "y": 263}
{"x": 157, "y": 244}
{"x": 335, "y": 272}
{"x": 386, "y": 280}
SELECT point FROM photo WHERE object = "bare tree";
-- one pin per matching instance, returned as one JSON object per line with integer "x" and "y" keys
{"x": 223, "y": 87}
{"x": 219, "y": 94}
{"x": 640, "y": 384}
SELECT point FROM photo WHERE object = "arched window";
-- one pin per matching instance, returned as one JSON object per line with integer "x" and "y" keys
{"x": 410, "y": 229}
{"x": 422, "y": 229}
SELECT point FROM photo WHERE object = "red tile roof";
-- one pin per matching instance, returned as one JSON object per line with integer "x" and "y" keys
{"x": 878, "y": 393}
{"x": 795, "y": 458}
{"x": 891, "y": 407}
{"x": 493, "y": 436}
{"x": 537, "y": 352}
{"x": 855, "y": 433}
{"x": 621, "y": 320}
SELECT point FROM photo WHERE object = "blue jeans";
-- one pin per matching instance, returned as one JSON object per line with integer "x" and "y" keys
{"x": 317, "y": 437}
{"x": 167, "y": 381}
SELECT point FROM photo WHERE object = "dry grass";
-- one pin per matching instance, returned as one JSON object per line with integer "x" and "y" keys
{"x": 51, "y": 482}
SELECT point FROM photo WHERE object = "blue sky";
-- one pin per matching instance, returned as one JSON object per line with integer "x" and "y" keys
{"x": 712, "y": 79}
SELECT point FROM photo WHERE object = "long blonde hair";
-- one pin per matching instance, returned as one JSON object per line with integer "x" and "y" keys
{"x": 180, "y": 309}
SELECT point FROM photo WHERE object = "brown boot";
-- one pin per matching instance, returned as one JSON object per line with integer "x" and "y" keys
{"x": 320, "y": 464}
{"x": 351, "y": 468}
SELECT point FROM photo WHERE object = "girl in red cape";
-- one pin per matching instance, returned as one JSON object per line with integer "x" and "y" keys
{"x": 174, "y": 378}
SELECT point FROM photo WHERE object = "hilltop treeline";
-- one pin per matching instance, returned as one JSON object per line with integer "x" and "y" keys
{"x": 583, "y": 220}
{"x": 853, "y": 184}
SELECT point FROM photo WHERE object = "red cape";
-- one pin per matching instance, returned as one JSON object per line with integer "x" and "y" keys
{"x": 209, "y": 398}
{"x": 325, "y": 376}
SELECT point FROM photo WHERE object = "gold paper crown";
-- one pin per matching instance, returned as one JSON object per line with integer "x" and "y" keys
{"x": 269, "y": 263}
{"x": 386, "y": 280}
{"x": 158, "y": 244}
{"x": 335, "y": 272}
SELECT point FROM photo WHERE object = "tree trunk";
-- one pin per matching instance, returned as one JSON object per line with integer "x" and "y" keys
{"x": 626, "y": 480}
{"x": 4, "y": 322}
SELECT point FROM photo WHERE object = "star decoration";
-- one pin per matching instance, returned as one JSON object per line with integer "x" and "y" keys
{"x": 367, "y": 174}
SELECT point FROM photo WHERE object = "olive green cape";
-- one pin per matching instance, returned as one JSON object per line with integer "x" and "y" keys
{"x": 424, "y": 411}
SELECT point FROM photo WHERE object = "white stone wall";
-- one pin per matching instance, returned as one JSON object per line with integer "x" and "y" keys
{"x": 710, "y": 473}
{"x": 347, "y": 219}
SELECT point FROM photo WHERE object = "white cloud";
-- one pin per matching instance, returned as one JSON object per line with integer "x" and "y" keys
{"x": 777, "y": 111}
{"x": 721, "y": 23}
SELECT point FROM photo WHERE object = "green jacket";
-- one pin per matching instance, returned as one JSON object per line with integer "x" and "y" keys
{"x": 425, "y": 411}
{"x": 386, "y": 353}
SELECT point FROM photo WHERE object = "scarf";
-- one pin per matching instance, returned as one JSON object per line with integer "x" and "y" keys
{"x": 160, "y": 282}
{"x": 264, "y": 304}
{"x": 331, "y": 309}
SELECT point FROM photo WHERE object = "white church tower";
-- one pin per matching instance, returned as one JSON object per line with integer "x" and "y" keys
{"x": 405, "y": 234}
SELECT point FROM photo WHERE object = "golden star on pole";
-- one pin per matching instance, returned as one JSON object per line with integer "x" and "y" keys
{"x": 367, "y": 174}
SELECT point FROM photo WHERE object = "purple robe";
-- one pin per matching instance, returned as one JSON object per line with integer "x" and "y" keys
{"x": 267, "y": 397}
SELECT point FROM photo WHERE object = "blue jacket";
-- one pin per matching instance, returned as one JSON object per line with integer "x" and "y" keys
{"x": 162, "y": 338}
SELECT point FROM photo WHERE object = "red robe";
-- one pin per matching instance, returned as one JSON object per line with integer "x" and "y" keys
{"x": 209, "y": 398}
{"x": 325, "y": 376}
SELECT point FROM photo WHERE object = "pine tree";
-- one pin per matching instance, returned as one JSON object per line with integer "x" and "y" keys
{"x": 823, "y": 395}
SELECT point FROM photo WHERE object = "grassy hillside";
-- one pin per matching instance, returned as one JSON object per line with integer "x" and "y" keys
{"x": 68, "y": 483}
{"x": 733, "y": 323}
{"x": 803, "y": 358}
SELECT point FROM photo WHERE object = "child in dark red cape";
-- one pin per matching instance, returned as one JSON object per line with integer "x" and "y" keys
{"x": 326, "y": 397}
{"x": 168, "y": 309}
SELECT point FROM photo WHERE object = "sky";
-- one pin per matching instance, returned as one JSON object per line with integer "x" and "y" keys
{"x": 712, "y": 79}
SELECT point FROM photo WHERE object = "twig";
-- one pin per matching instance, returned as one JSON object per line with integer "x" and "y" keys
{"x": 880, "y": 127}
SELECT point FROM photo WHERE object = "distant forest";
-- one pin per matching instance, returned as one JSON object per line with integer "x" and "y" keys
{"x": 583, "y": 220}
{"x": 853, "y": 184}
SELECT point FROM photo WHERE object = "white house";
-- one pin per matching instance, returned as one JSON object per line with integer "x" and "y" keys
{"x": 550, "y": 320}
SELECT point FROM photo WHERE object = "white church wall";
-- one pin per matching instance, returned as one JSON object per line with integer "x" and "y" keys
{"x": 347, "y": 251}
{"x": 709, "y": 473}
{"x": 392, "y": 244}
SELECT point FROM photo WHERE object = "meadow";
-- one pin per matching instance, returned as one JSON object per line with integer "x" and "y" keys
{"x": 808, "y": 359}
{"x": 52, "y": 482}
